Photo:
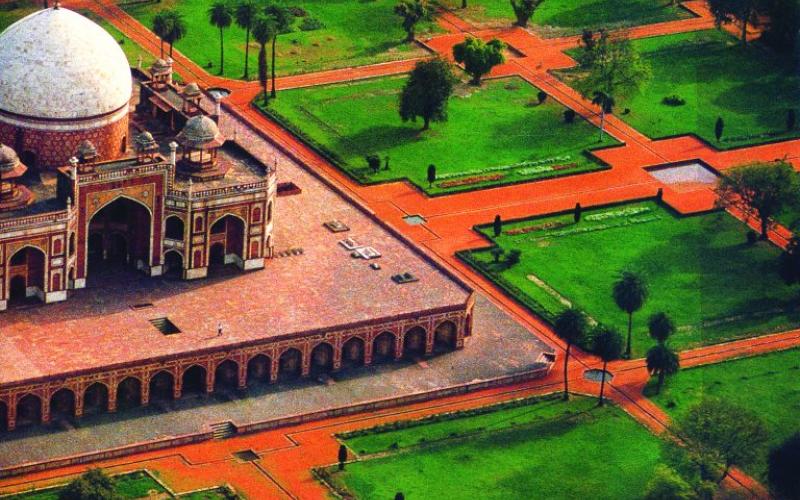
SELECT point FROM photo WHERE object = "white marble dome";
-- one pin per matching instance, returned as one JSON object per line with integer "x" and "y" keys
{"x": 57, "y": 64}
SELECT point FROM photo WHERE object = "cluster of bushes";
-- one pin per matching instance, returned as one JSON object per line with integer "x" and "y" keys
{"x": 311, "y": 24}
{"x": 673, "y": 100}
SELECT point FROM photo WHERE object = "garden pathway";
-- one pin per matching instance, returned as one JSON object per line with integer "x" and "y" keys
{"x": 289, "y": 453}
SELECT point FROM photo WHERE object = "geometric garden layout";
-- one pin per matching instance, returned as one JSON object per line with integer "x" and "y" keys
{"x": 520, "y": 194}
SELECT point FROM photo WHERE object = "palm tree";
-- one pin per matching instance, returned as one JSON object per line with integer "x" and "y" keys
{"x": 263, "y": 32}
{"x": 161, "y": 28}
{"x": 283, "y": 23}
{"x": 570, "y": 326}
{"x": 608, "y": 346}
{"x": 630, "y": 293}
{"x": 660, "y": 327}
{"x": 245, "y": 16}
{"x": 176, "y": 28}
{"x": 662, "y": 361}
{"x": 220, "y": 15}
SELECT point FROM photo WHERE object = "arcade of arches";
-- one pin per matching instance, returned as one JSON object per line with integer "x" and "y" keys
{"x": 231, "y": 371}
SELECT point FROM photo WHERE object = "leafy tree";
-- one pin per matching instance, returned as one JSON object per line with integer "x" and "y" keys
{"x": 789, "y": 264}
{"x": 587, "y": 43}
{"x": 523, "y": 10}
{"x": 399, "y": 496}
{"x": 743, "y": 11}
{"x": 660, "y": 327}
{"x": 374, "y": 162}
{"x": 791, "y": 120}
{"x": 161, "y": 28}
{"x": 577, "y": 213}
{"x": 479, "y": 57}
{"x": 666, "y": 484}
{"x": 93, "y": 485}
{"x": 762, "y": 190}
{"x": 615, "y": 71}
{"x": 782, "y": 469}
{"x": 263, "y": 32}
{"x": 427, "y": 91}
{"x": 719, "y": 128}
{"x": 662, "y": 361}
{"x": 781, "y": 33}
{"x": 512, "y": 259}
{"x": 571, "y": 327}
{"x": 569, "y": 115}
{"x": 723, "y": 433}
{"x": 342, "y": 456}
{"x": 412, "y": 12}
{"x": 175, "y": 28}
{"x": 608, "y": 346}
{"x": 220, "y": 16}
{"x": 497, "y": 226}
{"x": 282, "y": 17}
{"x": 431, "y": 174}
{"x": 541, "y": 96}
{"x": 630, "y": 293}
{"x": 245, "y": 14}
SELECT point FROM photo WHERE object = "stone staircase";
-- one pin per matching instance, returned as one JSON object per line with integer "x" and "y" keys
{"x": 223, "y": 430}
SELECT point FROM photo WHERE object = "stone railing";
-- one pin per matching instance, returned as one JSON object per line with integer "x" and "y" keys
{"x": 220, "y": 192}
{"x": 51, "y": 217}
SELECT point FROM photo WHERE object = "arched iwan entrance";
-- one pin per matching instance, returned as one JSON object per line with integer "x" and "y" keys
{"x": 95, "y": 399}
{"x": 322, "y": 359}
{"x": 120, "y": 233}
{"x": 129, "y": 393}
{"x": 226, "y": 242}
{"x": 162, "y": 387}
{"x": 26, "y": 271}
{"x": 290, "y": 365}
{"x": 414, "y": 343}
{"x": 383, "y": 348}
{"x": 62, "y": 404}
{"x": 353, "y": 352}
{"x": 226, "y": 377}
{"x": 258, "y": 370}
{"x": 29, "y": 411}
{"x": 193, "y": 382}
{"x": 445, "y": 336}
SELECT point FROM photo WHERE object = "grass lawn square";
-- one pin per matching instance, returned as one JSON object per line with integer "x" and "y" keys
{"x": 752, "y": 89}
{"x": 700, "y": 271}
{"x": 766, "y": 384}
{"x": 353, "y": 33}
{"x": 496, "y": 134}
{"x": 513, "y": 452}
{"x": 12, "y": 12}
{"x": 131, "y": 485}
{"x": 565, "y": 17}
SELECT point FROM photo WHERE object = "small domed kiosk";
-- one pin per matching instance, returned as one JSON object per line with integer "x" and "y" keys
{"x": 12, "y": 195}
{"x": 200, "y": 139}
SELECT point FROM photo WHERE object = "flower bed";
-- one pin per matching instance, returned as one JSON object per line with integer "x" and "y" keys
{"x": 477, "y": 179}
{"x": 625, "y": 212}
{"x": 599, "y": 227}
{"x": 535, "y": 227}
{"x": 543, "y": 164}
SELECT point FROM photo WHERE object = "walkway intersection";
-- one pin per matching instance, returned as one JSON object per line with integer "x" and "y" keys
{"x": 289, "y": 453}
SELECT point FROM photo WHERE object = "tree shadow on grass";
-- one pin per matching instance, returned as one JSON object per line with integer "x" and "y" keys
{"x": 377, "y": 139}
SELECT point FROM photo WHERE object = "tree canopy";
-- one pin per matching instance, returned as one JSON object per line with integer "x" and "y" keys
{"x": 523, "y": 10}
{"x": 93, "y": 485}
{"x": 412, "y": 12}
{"x": 479, "y": 57}
{"x": 745, "y": 12}
{"x": 782, "y": 469}
{"x": 427, "y": 91}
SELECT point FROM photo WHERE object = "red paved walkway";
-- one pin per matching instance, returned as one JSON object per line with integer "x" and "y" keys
{"x": 290, "y": 453}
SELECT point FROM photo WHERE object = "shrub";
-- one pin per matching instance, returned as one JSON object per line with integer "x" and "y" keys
{"x": 512, "y": 259}
{"x": 311, "y": 24}
{"x": 298, "y": 11}
{"x": 673, "y": 100}
{"x": 541, "y": 96}
{"x": 569, "y": 115}
{"x": 374, "y": 162}
{"x": 752, "y": 237}
{"x": 791, "y": 120}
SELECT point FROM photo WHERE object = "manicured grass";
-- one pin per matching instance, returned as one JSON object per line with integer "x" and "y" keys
{"x": 700, "y": 271}
{"x": 562, "y": 17}
{"x": 355, "y": 33}
{"x": 548, "y": 449}
{"x": 767, "y": 385}
{"x": 14, "y": 11}
{"x": 215, "y": 494}
{"x": 751, "y": 89}
{"x": 133, "y": 485}
{"x": 497, "y": 124}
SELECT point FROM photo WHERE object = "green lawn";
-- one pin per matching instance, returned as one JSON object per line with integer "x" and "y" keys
{"x": 767, "y": 385}
{"x": 133, "y": 485}
{"x": 563, "y": 17}
{"x": 491, "y": 130}
{"x": 547, "y": 449}
{"x": 14, "y": 11}
{"x": 700, "y": 271}
{"x": 354, "y": 33}
{"x": 751, "y": 89}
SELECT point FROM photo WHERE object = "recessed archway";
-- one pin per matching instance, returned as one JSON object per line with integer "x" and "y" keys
{"x": 173, "y": 228}
{"x": 162, "y": 387}
{"x": 3, "y": 417}
{"x": 322, "y": 358}
{"x": 226, "y": 376}
{"x": 258, "y": 370}
{"x": 29, "y": 411}
{"x": 290, "y": 364}
{"x": 95, "y": 399}
{"x": 129, "y": 393}
{"x": 120, "y": 233}
{"x": 173, "y": 264}
{"x": 227, "y": 237}
{"x": 193, "y": 381}
{"x": 62, "y": 404}
{"x": 383, "y": 348}
{"x": 27, "y": 271}
{"x": 444, "y": 337}
{"x": 353, "y": 352}
{"x": 414, "y": 343}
